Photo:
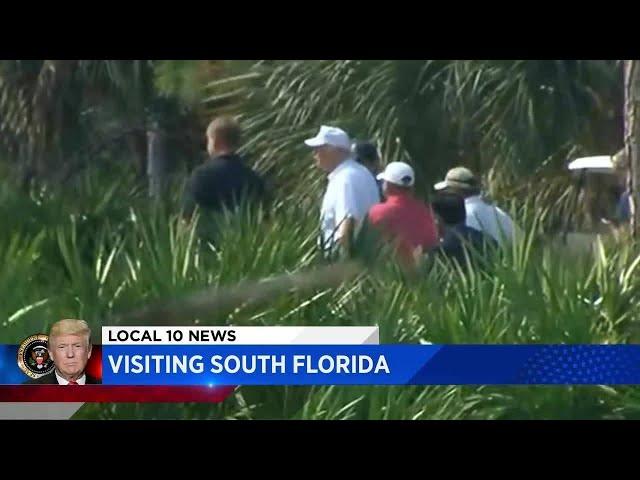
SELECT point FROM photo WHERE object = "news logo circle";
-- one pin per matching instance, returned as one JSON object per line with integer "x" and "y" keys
{"x": 33, "y": 356}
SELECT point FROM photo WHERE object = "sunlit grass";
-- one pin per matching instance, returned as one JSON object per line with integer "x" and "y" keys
{"x": 88, "y": 259}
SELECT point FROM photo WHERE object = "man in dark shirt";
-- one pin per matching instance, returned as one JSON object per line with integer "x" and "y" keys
{"x": 224, "y": 181}
{"x": 459, "y": 240}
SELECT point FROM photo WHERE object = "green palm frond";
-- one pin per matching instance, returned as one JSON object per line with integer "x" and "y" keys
{"x": 434, "y": 113}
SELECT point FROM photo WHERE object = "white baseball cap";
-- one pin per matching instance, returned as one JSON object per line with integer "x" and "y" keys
{"x": 333, "y": 136}
{"x": 398, "y": 173}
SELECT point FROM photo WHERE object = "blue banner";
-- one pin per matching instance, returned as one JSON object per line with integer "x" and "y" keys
{"x": 10, "y": 373}
{"x": 371, "y": 365}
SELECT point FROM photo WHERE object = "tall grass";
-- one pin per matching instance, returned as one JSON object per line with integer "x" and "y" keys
{"x": 81, "y": 256}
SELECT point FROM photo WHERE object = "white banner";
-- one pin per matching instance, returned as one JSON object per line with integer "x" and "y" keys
{"x": 38, "y": 410}
{"x": 240, "y": 335}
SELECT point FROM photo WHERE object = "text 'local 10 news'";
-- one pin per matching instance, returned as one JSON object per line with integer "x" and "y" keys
{"x": 206, "y": 364}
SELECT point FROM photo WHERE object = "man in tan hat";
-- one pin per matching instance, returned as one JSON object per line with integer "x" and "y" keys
{"x": 481, "y": 215}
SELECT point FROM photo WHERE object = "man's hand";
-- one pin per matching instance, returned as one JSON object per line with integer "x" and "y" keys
{"x": 346, "y": 230}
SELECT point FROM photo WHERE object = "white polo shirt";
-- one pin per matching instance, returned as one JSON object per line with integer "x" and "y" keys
{"x": 351, "y": 192}
{"x": 489, "y": 219}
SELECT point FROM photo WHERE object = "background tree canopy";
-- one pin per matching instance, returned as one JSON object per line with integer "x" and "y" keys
{"x": 507, "y": 119}
{"x": 520, "y": 116}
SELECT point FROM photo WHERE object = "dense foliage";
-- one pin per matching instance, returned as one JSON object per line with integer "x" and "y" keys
{"x": 93, "y": 244}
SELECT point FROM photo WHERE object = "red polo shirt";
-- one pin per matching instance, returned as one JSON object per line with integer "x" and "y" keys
{"x": 407, "y": 222}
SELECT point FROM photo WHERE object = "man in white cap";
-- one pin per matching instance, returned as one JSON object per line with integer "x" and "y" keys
{"x": 481, "y": 216}
{"x": 351, "y": 190}
{"x": 404, "y": 221}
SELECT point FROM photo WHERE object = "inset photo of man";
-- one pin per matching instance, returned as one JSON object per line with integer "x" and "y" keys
{"x": 69, "y": 346}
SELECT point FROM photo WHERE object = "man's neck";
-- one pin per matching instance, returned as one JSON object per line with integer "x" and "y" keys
{"x": 222, "y": 152}
{"x": 69, "y": 378}
{"x": 398, "y": 194}
{"x": 338, "y": 163}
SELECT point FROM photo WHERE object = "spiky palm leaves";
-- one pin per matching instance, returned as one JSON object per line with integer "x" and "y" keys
{"x": 518, "y": 115}
{"x": 53, "y": 110}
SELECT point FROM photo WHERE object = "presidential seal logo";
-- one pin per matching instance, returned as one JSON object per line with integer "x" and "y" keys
{"x": 33, "y": 356}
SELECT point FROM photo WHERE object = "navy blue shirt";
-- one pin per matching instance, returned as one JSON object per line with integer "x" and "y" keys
{"x": 459, "y": 238}
{"x": 222, "y": 182}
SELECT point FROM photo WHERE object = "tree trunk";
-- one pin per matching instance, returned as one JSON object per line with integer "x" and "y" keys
{"x": 157, "y": 167}
{"x": 48, "y": 113}
{"x": 138, "y": 144}
{"x": 632, "y": 138}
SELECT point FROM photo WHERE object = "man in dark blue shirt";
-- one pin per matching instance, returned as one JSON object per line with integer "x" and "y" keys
{"x": 224, "y": 180}
{"x": 458, "y": 240}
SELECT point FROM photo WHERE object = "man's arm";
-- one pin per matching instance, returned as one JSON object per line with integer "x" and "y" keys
{"x": 188, "y": 199}
{"x": 345, "y": 231}
{"x": 508, "y": 228}
{"x": 347, "y": 213}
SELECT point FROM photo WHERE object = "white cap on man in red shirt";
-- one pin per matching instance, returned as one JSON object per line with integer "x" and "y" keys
{"x": 398, "y": 173}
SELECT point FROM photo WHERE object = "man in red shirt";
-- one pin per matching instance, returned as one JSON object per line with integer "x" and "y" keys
{"x": 404, "y": 220}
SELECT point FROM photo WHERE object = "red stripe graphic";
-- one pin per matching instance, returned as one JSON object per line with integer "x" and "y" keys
{"x": 113, "y": 393}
